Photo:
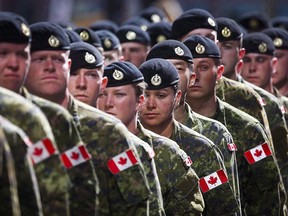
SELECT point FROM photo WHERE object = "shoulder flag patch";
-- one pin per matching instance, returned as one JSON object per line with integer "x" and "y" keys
{"x": 122, "y": 161}
{"x": 213, "y": 180}
{"x": 75, "y": 156}
{"x": 258, "y": 153}
{"x": 232, "y": 146}
{"x": 283, "y": 109}
{"x": 41, "y": 150}
{"x": 262, "y": 102}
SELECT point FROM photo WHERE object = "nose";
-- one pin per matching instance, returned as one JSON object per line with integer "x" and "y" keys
{"x": 81, "y": 82}
{"x": 49, "y": 65}
{"x": 150, "y": 103}
{"x": 126, "y": 55}
{"x": 109, "y": 101}
{"x": 13, "y": 62}
{"x": 252, "y": 67}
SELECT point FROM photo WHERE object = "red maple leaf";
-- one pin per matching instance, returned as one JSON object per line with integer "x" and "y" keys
{"x": 122, "y": 161}
{"x": 38, "y": 151}
{"x": 258, "y": 153}
{"x": 212, "y": 180}
{"x": 75, "y": 155}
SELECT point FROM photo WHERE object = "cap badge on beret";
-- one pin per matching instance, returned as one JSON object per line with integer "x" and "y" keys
{"x": 53, "y": 41}
{"x": 155, "y": 18}
{"x": 200, "y": 49}
{"x": 118, "y": 75}
{"x": 107, "y": 43}
{"x": 156, "y": 80}
{"x": 25, "y": 29}
{"x": 179, "y": 51}
{"x": 262, "y": 47}
{"x": 130, "y": 35}
{"x": 161, "y": 38}
{"x": 84, "y": 35}
{"x": 211, "y": 21}
{"x": 253, "y": 23}
{"x": 144, "y": 27}
{"x": 278, "y": 42}
{"x": 226, "y": 32}
{"x": 89, "y": 58}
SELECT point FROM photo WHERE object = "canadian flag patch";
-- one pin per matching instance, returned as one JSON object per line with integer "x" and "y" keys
{"x": 232, "y": 146}
{"x": 262, "y": 102}
{"x": 213, "y": 180}
{"x": 258, "y": 153}
{"x": 75, "y": 156}
{"x": 283, "y": 109}
{"x": 122, "y": 161}
{"x": 41, "y": 150}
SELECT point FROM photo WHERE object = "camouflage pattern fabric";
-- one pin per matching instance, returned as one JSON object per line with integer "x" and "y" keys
{"x": 126, "y": 192}
{"x": 284, "y": 103}
{"x": 207, "y": 159}
{"x": 179, "y": 182}
{"x": 258, "y": 181}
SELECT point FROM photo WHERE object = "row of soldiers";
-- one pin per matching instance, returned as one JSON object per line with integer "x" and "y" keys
{"x": 100, "y": 122}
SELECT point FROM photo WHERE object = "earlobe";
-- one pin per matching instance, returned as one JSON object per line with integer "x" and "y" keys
{"x": 141, "y": 101}
{"x": 220, "y": 71}
{"x": 192, "y": 79}
{"x": 104, "y": 82}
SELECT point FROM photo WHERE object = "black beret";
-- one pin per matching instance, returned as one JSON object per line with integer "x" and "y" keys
{"x": 159, "y": 32}
{"x": 202, "y": 47}
{"x": 258, "y": 42}
{"x": 89, "y": 36}
{"x": 84, "y": 55}
{"x": 193, "y": 19}
{"x": 170, "y": 49}
{"x": 104, "y": 25}
{"x": 73, "y": 36}
{"x": 122, "y": 73}
{"x": 159, "y": 73}
{"x": 14, "y": 28}
{"x": 279, "y": 37}
{"x": 131, "y": 33}
{"x": 138, "y": 21}
{"x": 109, "y": 40}
{"x": 66, "y": 25}
{"x": 48, "y": 36}
{"x": 228, "y": 29}
{"x": 280, "y": 22}
{"x": 254, "y": 21}
{"x": 153, "y": 14}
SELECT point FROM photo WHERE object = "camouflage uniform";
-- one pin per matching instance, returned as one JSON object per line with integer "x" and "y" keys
{"x": 284, "y": 103}
{"x": 125, "y": 193}
{"x": 83, "y": 189}
{"x": 259, "y": 181}
{"x": 179, "y": 183}
{"x": 221, "y": 137}
{"x": 51, "y": 175}
{"x": 207, "y": 159}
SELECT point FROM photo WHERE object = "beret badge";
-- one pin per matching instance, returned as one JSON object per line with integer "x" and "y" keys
{"x": 161, "y": 38}
{"x": 226, "y": 32}
{"x": 278, "y": 42}
{"x": 84, "y": 35}
{"x": 211, "y": 22}
{"x": 156, "y": 80}
{"x": 25, "y": 29}
{"x": 118, "y": 75}
{"x": 89, "y": 58}
{"x": 262, "y": 47}
{"x": 107, "y": 43}
{"x": 130, "y": 35}
{"x": 155, "y": 18}
{"x": 200, "y": 49}
{"x": 179, "y": 51}
{"x": 53, "y": 41}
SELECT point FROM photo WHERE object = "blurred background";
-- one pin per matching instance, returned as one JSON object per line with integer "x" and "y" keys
{"x": 85, "y": 12}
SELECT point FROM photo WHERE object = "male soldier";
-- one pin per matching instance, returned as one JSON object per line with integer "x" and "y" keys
{"x": 135, "y": 44}
{"x": 254, "y": 21}
{"x": 180, "y": 56}
{"x": 104, "y": 25}
{"x": 90, "y": 76}
{"x": 159, "y": 32}
{"x": 256, "y": 186}
{"x": 14, "y": 45}
{"x": 125, "y": 185}
{"x": 163, "y": 96}
{"x": 172, "y": 163}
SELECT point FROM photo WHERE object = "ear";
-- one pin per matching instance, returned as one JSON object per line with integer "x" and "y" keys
{"x": 220, "y": 70}
{"x": 274, "y": 64}
{"x": 177, "y": 98}
{"x": 69, "y": 61}
{"x": 192, "y": 79}
{"x": 104, "y": 83}
{"x": 239, "y": 66}
{"x": 242, "y": 52}
{"x": 140, "y": 102}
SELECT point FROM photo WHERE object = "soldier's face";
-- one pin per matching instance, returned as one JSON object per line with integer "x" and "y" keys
{"x": 14, "y": 64}
{"x": 134, "y": 53}
{"x": 280, "y": 77}
{"x": 158, "y": 109}
{"x": 121, "y": 102}
{"x": 111, "y": 56}
{"x": 85, "y": 84}
{"x": 48, "y": 73}
{"x": 209, "y": 33}
{"x": 258, "y": 69}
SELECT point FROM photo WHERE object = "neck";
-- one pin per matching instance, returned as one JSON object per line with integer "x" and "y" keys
{"x": 165, "y": 129}
{"x": 180, "y": 113}
{"x": 231, "y": 75}
{"x": 283, "y": 87}
{"x": 269, "y": 87}
{"x": 206, "y": 107}
{"x": 62, "y": 100}
{"x": 132, "y": 126}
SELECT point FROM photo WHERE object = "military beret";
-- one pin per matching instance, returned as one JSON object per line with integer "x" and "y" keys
{"x": 66, "y": 25}
{"x": 14, "y": 28}
{"x": 153, "y": 14}
{"x": 84, "y": 55}
{"x": 170, "y": 49}
{"x": 73, "y": 36}
{"x": 159, "y": 32}
{"x": 202, "y": 47}
{"x": 159, "y": 73}
{"x": 280, "y": 22}
{"x": 48, "y": 36}
{"x": 88, "y": 35}
{"x": 131, "y": 33}
{"x": 138, "y": 21}
{"x": 108, "y": 40}
{"x": 122, "y": 73}
{"x": 279, "y": 37}
{"x": 258, "y": 42}
{"x": 192, "y": 19}
{"x": 228, "y": 29}
{"x": 104, "y": 25}
{"x": 254, "y": 21}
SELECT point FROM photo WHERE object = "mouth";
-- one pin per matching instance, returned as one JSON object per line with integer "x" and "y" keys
{"x": 11, "y": 75}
